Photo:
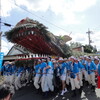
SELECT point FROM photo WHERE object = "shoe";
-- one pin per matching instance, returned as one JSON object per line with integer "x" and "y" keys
{"x": 62, "y": 93}
{"x": 65, "y": 90}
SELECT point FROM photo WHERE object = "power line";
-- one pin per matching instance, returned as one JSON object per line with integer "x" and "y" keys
{"x": 37, "y": 15}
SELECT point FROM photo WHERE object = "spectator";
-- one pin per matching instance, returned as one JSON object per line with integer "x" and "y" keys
{"x": 5, "y": 92}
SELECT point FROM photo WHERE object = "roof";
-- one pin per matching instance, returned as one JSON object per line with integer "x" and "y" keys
{"x": 16, "y": 50}
{"x": 77, "y": 47}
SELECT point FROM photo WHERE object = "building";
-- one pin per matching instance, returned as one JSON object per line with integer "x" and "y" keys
{"x": 80, "y": 49}
{"x": 18, "y": 52}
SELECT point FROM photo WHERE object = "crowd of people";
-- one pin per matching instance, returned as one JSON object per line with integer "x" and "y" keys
{"x": 54, "y": 74}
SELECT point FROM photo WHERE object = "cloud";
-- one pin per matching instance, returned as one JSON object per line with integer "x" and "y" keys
{"x": 6, "y": 7}
{"x": 81, "y": 5}
{"x": 95, "y": 37}
{"x": 79, "y": 37}
{"x": 65, "y": 8}
{"x": 83, "y": 39}
{"x": 5, "y": 46}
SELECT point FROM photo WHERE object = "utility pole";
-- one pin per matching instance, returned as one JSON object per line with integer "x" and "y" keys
{"x": 89, "y": 38}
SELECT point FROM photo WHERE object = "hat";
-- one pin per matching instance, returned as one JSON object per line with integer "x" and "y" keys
{"x": 61, "y": 58}
{"x": 96, "y": 58}
{"x": 76, "y": 59}
{"x": 72, "y": 57}
{"x": 10, "y": 62}
{"x": 65, "y": 59}
{"x": 85, "y": 55}
{"x": 7, "y": 62}
{"x": 43, "y": 60}
{"x": 81, "y": 56}
{"x": 52, "y": 59}
{"x": 39, "y": 60}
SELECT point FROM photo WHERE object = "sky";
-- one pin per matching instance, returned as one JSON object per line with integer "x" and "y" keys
{"x": 62, "y": 17}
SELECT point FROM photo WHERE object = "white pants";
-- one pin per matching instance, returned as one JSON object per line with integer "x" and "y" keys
{"x": 74, "y": 83}
{"x": 85, "y": 75}
{"x": 50, "y": 82}
{"x": 23, "y": 77}
{"x": 36, "y": 81}
{"x": 63, "y": 77}
{"x": 43, "y": 83}
{"x": 17, "y": 83}
{"x": 47, "y": 83}
{"x": 67, "y": 79}
{"x": 91, "y": 79}
{"x": 6, "y": 78}
{"x": 81, "y": 77}
{"x": 27, "y": 76}
{"x": 12, "y": 79}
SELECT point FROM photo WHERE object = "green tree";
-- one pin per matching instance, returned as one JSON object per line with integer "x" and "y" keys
{"x": 90, "y": 49}
{"x": 75, "y": 44}
{"x": 94, "y": 49}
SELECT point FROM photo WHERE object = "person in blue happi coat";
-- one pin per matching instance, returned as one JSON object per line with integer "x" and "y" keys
{"x": 63, "y": 74}
{"x": 49, "y": 69}
{"x": 74, "y": 75}
{"x": 7, "y": 69}
{"x": 91, "y": 73}
{"x": 2, "y": 69}
{"x": 43, "y": 77}
{"x": 85, "y": 69}
{"x": 81, "y": 69}
{"x": 18, "y": 78}
{"x": 37, "y": 68}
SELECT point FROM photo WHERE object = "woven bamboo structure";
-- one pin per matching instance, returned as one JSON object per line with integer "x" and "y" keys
{"x": 37, "y": 39}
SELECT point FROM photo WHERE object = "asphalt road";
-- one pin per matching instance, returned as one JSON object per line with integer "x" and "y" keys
{"x": 29, "y": 93}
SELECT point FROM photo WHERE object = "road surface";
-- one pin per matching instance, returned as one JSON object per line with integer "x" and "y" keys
{"x": 29, "y": 93}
